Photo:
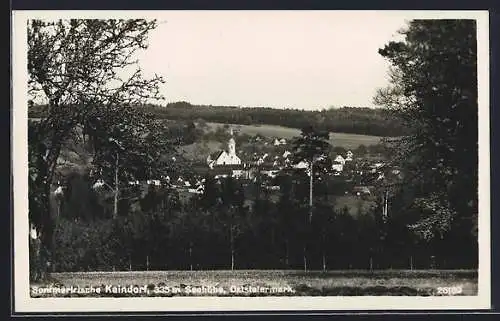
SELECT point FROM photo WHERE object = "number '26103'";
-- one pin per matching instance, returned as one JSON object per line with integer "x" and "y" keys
{"x": 449, "y": 290}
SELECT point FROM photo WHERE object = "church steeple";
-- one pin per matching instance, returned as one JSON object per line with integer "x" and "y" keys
{"x": 231, "y": 144}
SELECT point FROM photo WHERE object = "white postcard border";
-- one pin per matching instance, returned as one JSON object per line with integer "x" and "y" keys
{"x": 24, "y": 303}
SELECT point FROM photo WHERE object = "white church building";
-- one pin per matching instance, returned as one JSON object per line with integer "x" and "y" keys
{"x": 225, "y": 157}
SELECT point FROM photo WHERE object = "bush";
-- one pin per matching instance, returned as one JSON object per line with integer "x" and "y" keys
{"x": 83, "y": 246}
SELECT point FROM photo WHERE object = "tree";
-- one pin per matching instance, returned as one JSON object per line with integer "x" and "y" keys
{"x": 232, "y": 212}
{"x": 311, "y": 146}
{"x": 433, "y": 90}
{"x": 339, "y": 150}
{"x": 361, "y": 150}
{"x": 78, "y": 66}
{"x": 201, "y": 124}
{"x": 285, "y": 210}
{"x": 127, "y": 147}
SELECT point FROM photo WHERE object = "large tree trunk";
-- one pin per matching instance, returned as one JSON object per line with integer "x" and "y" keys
{"x": 311, "y": 193}
{"x": 305, "y": 258}
{"x": 324, "y": 251}
{"x": 41, "y": 248}
{"x": 231, "y": 240}
{"x": 34, "y": 252}
{"x": 42, "y": 166}
{"x": 286, "y": 253}
{"x": 191, "y": 256}
{"x": 116, "y": 191}
{"x": 324, "y": 261}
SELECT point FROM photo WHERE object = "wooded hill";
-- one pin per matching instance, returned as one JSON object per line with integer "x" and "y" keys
{"x": 353, "y": 120}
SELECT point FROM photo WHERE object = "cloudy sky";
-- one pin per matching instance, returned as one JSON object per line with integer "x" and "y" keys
{"x": 280, "y": 59}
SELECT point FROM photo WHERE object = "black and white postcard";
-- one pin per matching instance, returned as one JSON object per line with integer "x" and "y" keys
{"x": 250, "y": 160}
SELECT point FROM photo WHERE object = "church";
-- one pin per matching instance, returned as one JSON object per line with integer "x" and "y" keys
{"x": 225, "y": 157}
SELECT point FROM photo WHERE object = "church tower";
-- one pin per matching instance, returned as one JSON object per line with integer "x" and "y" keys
{"x": 231, "y": 145}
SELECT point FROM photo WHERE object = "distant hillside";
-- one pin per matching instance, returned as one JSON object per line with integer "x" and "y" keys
{"x": 351, "y": 120}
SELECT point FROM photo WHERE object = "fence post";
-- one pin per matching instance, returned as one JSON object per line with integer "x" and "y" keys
{"x": 432, "y": 262}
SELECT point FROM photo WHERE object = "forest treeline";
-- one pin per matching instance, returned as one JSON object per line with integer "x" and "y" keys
{"x": 221, "y": 230}
{"x": 352, "y": 120}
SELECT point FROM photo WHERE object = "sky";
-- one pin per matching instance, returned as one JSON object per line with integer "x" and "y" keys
{"x": 280, "y": 59}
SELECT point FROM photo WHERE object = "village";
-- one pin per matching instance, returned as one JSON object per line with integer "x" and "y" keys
{"x": 357, "y": 175}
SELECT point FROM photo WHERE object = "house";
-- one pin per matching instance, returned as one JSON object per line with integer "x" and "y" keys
{"x": 301, "y": 165}
{"x": 286, "y": 154}
{"x": 225, "y": 157}
{"x": 340, "y": 159}
{"x": 278, "y": 142}
{"x": 98, "y": 184}
{"x": 349, "y": 156}
{"x": 236, "y": 171}
{"x": 59, "y": 189}
{"x": 262, "y": 159}
{"x": 361, "y": 190}
{"x": 270, "y": 173}
{"x": 33, "y": 232}
{"x": 155, "y": 182}
{"x": 376, "y": 167}
{"x": 198, "y": 190}
{"x": 337, "y": 166}
{"x": 321, "y": 158}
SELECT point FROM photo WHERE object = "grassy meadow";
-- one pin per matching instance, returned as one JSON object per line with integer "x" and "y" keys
{"x": 300, "y": 283}
{"x": 348, "y": 141}
{"x": 199, "y": 151}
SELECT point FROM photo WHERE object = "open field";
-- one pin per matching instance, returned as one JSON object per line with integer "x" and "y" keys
{"x": 252, "y": 283}
{"x": 199, "y": 151}
{"x": 355, "y": 204}
{"x": 350, "y": 141}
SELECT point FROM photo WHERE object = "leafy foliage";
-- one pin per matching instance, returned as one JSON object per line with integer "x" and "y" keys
{"x": 434, "y": 91}
{"x": 165, "y": 233}
{"x": 311, "y": 144}
{"x": 79, "y": 68}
